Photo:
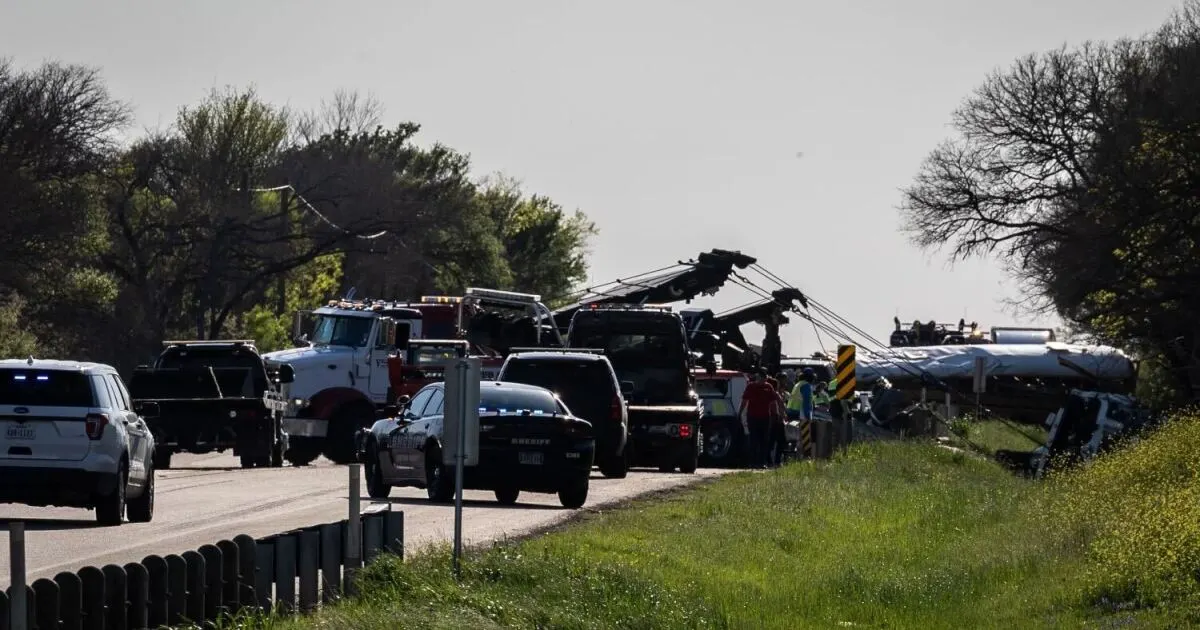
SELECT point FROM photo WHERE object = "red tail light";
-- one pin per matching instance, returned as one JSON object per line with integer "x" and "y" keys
{"x": 685, "y": 430}
{"x": 616, "y": 409}
{"x": 94, "y": 425}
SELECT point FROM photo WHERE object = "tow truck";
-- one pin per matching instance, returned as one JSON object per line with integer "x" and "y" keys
{"x": 344, "y": 367}
{"x": 647, "y": 346}
{"x": 720, "y": 334}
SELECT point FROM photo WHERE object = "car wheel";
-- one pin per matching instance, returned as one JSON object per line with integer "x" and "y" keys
{"x": 439, "y": 485}
{"x": 141, "y": 509}
{"x": 376, "y": 488}
{"x": 718, "y": 443}
{"x": 507, "y": 496}
{"x": 575, "y": 495}
{"x": 110, "y": 510}
{"x": 162, "y": 458}
{"x": 616, "y": 466}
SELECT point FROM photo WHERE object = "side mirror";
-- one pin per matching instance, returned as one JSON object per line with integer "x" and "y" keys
{"x": 626, "y": 388}
{"x": 287, "y": 374}
{"x": 402, "y": 401}
{"x": 147, "y": 409}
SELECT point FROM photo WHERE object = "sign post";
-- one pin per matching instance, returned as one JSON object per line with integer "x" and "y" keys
{"x": 846, "y": 371}
{"x": 462, "y": 435}
{"x": 17, "y": 593}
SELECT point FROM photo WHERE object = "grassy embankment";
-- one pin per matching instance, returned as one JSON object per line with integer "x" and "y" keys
{"x": 897, "y": 535}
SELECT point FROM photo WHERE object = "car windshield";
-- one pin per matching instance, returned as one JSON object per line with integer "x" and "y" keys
{"x": 505, "y": 400}
{"x": 342, "y": 330}
{"x": 45, "y": 388}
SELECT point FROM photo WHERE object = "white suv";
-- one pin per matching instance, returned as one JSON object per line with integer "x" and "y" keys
{"x": 69, "y": 437}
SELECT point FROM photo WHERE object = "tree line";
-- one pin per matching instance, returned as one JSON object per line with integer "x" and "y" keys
{"x": 237, "y": 215}
{"x": 1079, "y": 168}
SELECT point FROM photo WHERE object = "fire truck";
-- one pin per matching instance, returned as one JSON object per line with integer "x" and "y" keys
{"x": 358, "y": 356}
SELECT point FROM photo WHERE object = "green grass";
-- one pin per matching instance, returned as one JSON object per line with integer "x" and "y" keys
{"x": 889, "y": 535}
{"x": 990, "y": 435}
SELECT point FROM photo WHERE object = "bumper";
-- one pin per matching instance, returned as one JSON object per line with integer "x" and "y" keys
{"x": 202, "y": 435}
{"x": 654, "y": 445}
{"x": 64, "y": 487}
{"x": 305, "y": 427}
{"x": 503, "y": 467}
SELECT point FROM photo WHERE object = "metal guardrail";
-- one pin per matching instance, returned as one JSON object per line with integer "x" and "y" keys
{"x": 286, "y": 573}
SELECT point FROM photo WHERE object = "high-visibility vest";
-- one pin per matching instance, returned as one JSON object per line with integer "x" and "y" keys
{"x": 821, "y": 398}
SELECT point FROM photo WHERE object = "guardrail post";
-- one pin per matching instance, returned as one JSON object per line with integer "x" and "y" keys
{"x": 285, "y": 573}
{"x": 230, "y": 576}
{"x": 332, "y": 545}
{"x": 372, "y": 536}
{"x": 137, "y": 585}
{"x": 195, "y": 586}
{"x": 354, "y": 530}
{"x": 115, "y": 602}
{"x": 393, "y": 531}
{"x": 70, "y": 601}
{"x": 307, "y": 566}
{"x": 158, "y": 575}
{"x": 18, "y": 604}
{"x": 176, "y": 589}
{"x": 214, "y": 587}
{"x": 45, "y": 601}
{"x": 247, "y": 575}
{"x": 92, "y": 582}
{"x": 264, "y": 574}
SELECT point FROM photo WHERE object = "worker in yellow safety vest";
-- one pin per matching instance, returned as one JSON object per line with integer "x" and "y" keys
{"x": 821, "y": 397}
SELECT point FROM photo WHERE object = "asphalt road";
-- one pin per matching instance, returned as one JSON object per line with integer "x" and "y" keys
{"x": 206, "y": 498}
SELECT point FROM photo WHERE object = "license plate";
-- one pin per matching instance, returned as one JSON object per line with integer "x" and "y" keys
{"x": 20, "y": 432}
{"x": 531, "y": 458}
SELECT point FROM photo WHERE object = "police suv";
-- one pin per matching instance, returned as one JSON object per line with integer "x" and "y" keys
{"x": 69, "y": 437}
{"x": 529, "y": 441}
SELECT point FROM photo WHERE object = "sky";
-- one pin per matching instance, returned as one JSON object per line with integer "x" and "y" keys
{"x": 783, "y": 129}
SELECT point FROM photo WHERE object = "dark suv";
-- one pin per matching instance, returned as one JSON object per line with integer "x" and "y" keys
{"x": 587, "y": 383}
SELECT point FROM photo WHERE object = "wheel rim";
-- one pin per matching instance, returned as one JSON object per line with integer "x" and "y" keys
{"x": 718, "y": 444}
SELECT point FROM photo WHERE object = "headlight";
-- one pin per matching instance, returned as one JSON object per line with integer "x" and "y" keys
{"x": 299, "y": 403}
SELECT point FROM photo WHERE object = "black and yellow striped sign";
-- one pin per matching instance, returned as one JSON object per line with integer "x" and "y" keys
{"x": 846, "y": 365}
{"x": 806, "y": 442}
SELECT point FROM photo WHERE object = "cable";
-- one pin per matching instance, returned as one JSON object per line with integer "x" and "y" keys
{"x": 297, "y": 195}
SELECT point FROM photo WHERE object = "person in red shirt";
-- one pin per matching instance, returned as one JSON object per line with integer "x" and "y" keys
{"x": 760, "y": 403}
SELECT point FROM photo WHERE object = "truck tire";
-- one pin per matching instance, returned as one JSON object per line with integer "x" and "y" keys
{"x": 722, "y": 443}
{"x": 247, "y": 460}
{"x": 339, "y": 441}
{"x": 615, "y": 466}
{"x": 507, "y": 495}
{"x": 691, "y": 462}
{"x": 302, "y": 451}
{"x": 162, "y": 458}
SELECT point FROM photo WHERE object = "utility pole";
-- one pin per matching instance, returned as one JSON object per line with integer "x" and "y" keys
{"x": 285, "y": 231}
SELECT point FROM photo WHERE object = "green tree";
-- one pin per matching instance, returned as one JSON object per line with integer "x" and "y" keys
{"x": 545, "y": 247}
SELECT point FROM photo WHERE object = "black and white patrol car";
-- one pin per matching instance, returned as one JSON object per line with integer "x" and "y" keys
{"x": 528, "y": 441}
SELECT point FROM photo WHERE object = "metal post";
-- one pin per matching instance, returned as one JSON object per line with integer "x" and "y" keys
{"x": 462, "y": 368}
{"x": 354, "y": 529}
{"x": 18, "y": 597}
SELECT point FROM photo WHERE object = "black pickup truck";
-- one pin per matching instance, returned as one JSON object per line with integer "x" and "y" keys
{"x": 214, "y": 396}
{"x": 647, "y": 346}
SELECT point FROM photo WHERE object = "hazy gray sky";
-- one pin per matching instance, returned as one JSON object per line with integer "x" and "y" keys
{"x": 675, "y": 125}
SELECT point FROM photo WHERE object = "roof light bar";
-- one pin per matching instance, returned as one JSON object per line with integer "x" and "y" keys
{"x": 441, "y": 299}
{"x": 209, "y": 342}
{"x": 509, "y": 297}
